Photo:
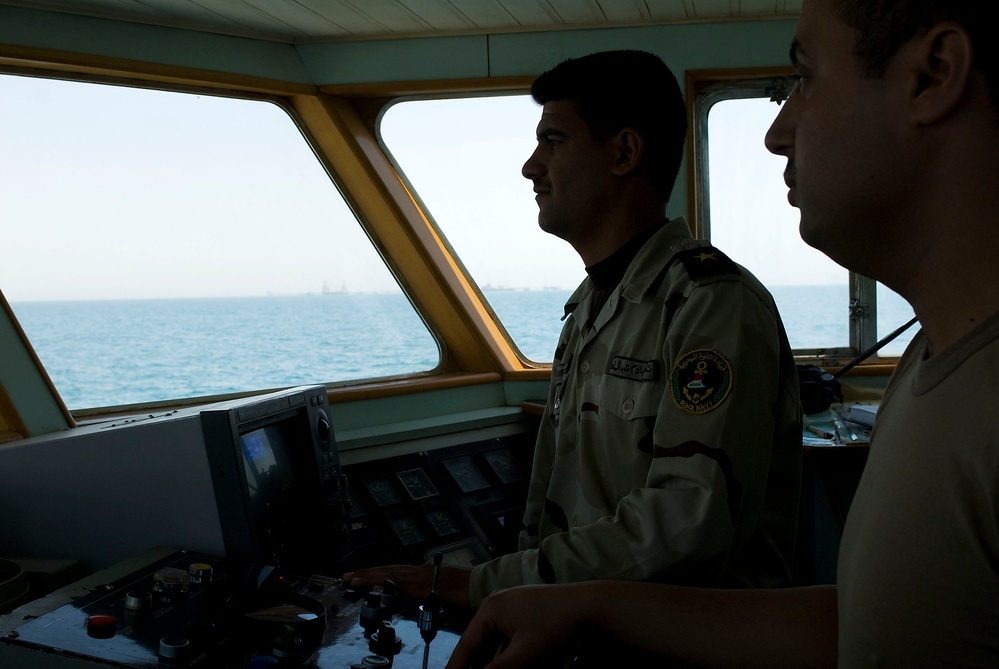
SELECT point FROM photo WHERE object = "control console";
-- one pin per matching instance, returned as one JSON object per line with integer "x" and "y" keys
{"x": 193, "y": 610}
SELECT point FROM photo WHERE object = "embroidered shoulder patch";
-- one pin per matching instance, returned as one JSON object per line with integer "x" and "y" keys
{"x": 700, "y": 381}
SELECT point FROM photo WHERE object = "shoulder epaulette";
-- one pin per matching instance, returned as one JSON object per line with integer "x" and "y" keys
{"x": 706, "y": 261}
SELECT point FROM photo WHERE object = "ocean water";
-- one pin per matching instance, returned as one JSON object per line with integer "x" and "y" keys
{"x": 105, "y": 353}
{"x": 814, "y": 317}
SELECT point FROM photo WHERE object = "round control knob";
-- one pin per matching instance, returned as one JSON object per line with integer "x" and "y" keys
{"x": 200, "y": 572}
{"x": 384, "y": 642}
{"x": 138, "y": 600}
{"x": 369, "y": 661}
{"x": 372, "y": 611}
{"x": 173, "y": 646}
{"x": 171, "y": 581}
{"x": 390, "y": 595}
{"x": 101, "y": 626}
{"x": 324, "y": 430}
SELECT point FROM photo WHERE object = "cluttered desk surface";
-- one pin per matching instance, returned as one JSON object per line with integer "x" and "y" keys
{"x": 841, "y": 425}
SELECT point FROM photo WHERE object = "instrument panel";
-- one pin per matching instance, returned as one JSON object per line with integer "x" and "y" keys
{"x": 465, "y": 501}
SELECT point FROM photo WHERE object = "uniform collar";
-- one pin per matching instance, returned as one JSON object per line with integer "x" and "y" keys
{"x": 608, "y": 272}
{"x": 639, "y": 261}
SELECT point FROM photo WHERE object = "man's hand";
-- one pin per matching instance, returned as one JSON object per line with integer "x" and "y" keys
{"x": 535, "y": 622}
{"x": 414, "y": 582}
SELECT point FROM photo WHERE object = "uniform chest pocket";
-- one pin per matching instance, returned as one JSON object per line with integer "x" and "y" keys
{"x": 628, "y": 399}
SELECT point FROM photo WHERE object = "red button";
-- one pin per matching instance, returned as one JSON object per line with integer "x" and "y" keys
{"x": 102, "y": 626}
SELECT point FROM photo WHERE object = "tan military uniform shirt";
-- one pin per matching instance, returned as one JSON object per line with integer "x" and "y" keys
{"x": 670, "y": 446}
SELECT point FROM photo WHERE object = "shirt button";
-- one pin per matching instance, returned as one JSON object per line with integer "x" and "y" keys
{"x": 585, "y": 367}
{"x": 628, "y": 406}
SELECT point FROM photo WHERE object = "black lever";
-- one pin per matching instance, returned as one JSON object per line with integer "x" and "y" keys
{"x": 431, "y": 608}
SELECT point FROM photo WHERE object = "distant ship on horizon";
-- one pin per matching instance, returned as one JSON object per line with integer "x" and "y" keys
{"x": 328, "y": 291}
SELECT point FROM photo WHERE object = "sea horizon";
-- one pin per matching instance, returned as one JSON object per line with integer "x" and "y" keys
{"x": 109, "y": 352}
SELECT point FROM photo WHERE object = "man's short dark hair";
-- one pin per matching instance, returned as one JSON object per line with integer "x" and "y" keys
{"x": 883, "y": 26}
{"x": 618, "y": 89}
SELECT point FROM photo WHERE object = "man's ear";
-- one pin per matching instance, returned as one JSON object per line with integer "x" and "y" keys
{"x": 627, "y": 146}
{"x": 942, "y": 63}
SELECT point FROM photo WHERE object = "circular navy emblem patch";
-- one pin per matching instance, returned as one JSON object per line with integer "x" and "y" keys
{"x": 700, "y": 381}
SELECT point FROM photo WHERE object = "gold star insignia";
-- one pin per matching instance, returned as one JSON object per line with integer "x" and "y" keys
{"x": 706, "y": 256}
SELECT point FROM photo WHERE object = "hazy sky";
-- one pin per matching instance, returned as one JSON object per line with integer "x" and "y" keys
{"x": 110, "y": 192}
{"x": 113, "y": 193}
{"x": 751, "y": 219}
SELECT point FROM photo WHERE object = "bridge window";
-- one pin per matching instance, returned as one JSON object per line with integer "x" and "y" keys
{"x": 463, "y": 157}
{"x": 160, "y": 246}
{"x": 829, "y": 313}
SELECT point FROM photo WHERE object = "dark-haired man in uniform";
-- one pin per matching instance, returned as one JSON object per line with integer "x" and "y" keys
{"x": 670, "y": 445}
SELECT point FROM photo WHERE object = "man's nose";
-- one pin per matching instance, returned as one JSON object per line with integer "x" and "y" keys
{"x": 779, "y": 139}
{"x": 532, "y": 168}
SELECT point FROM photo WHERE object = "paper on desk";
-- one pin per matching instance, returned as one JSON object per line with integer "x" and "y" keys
{"x": 862, "y": 414}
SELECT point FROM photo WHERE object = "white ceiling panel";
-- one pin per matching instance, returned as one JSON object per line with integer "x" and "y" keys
{"x": 489, "y": 13}
{"x": 704, "y": 9}
{"x": 329, "y": 20}
{"x": 669, "y": 10}
{"x": 529, "y": 13}
{"x": 624, "y": 11}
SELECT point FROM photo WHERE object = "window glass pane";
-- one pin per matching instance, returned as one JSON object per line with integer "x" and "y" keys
{"x": 463, "y": 157}
{"x": 752, "y": 222}
{"x": 164, "y": 245}
{"x": 893, "y": 313}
